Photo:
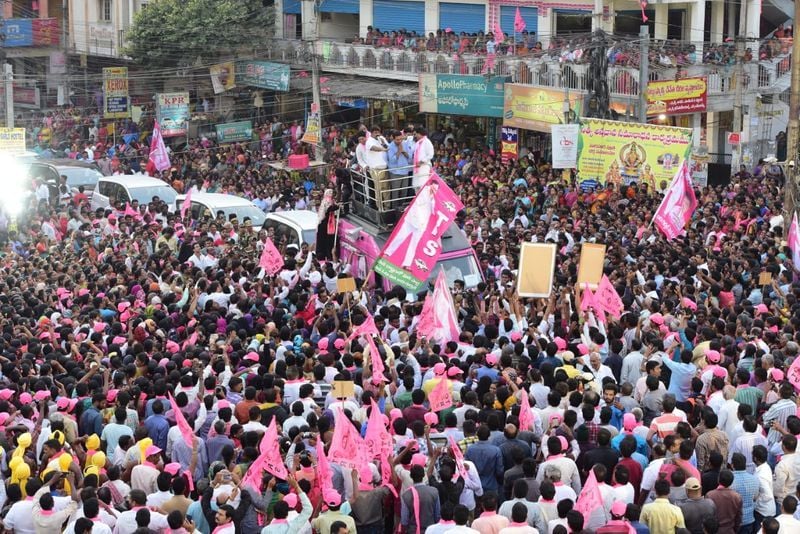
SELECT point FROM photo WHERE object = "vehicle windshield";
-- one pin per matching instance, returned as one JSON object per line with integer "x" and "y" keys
{"x": 309, "y": 236}
{"x": 257, "y": 216}
{"x": 81, "y": 176}
{"x": 458, "y": 268}
{"x": 145, "y": 194}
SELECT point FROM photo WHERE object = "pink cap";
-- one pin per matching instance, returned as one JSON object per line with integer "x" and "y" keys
{"x": 560, "y": 343}
{"x": 720, "y": 372}
{"x": 6, "y": 393}
{"x": 331, "y": 497}
{"x": 515, "y": 336}
{"x": 122, "y": 306}
{"x": 187, "y": 363}
{"x": 618, "y": 508}
{"x": 172, "y": 347}
{"x": 583, "y": 349}
{"x": 564, "y": 443}
{"x": 439, "y": 369}
{"x": 454, "y": 371}
{"x": 291, "y": 500}
{"x": 657, "y": 319}
{"x": 251, "y": 356}
{"x": 412, "y": 444}
{"x": 339, "y": 344}
{"x": 25, "y": 398}
{"x": 395, "y": 413}
{"x": 172, "y": 468}
{"x": 419, "y": 459}
{"x": 776, "y": 374}
{"x": 41, "y": 395}
{"x": 431, "y": 419}
{"x": 163, "y": 362}
{"x": 713, "y": 356}
{"x": 761, "y": 308}
{"x": 322, "y": 344}
{"x": 629, "y": 421}
{"x": 4, "y": 417}
{"x": 119, "y": 340}
{"x": 99, "y": 326}
{"x": 491, "y": 359}
{"x": 152, "y": 450}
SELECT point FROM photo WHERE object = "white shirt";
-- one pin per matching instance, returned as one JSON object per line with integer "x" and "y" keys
{"x": 789, "y": 525}
{"x": 98, "y": 527}
{"x": 375, "y": 159}
{"x": 158, "y": 498}
{"x": 20, "y": 517}
{"x": 650, "y": 476}
{"x": 126, "y": 522}
{"x": 765, "y": 503}
{"x": 423, "y": 153}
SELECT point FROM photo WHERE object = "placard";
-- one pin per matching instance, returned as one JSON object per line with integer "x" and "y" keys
{"x": 343, "y": 389}
{"x": 116, "y": 101}
{"x": 590, "y": 268}
{"x": 764, "y": 279}
{"x": 536, "y": 264}
{"x": 345, "y": 285}
{"x": 565, "y": 145}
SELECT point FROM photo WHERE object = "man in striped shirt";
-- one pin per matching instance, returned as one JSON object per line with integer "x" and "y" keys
{"x": 779, "y": 412}
{"x": 665, "y": 424}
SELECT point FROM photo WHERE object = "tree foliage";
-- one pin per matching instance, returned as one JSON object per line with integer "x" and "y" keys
{"x": 171, "y": 32}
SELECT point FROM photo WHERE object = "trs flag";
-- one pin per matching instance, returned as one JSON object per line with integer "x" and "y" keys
{"x": 187, "y": 203}
{"x": 590, "y": 497}
{"x": 269, "y": 460}
{"x": 438, "y": 318}
{"x": 526, "y": 420}
{"x": 377, "y": 363}
{"x": 347, "y": 446}
{"x": 440, "y": 397}
{"x": 324, "y": 471}
{"x": 183, "y": 425}
{"x": 364, "y": 329}
{"x": 793, "y": 240}
{"x": 677, "y": 206}
{"x": 458, "y": 456}
{"x": 588, "y": 299}
{"x": 158, "y": 151}
{"x": 271, "y": 260}
{"x": 519, "y": 22}
{"x": 607, "y": 298}
{"x": 498, "y": 33}
{"x": 411, "y": 251}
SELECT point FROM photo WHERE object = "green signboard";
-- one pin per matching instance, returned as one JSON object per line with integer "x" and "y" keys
{"x": 232, "y": 132}
{"x": 452, "y": 94}
{"x": 264, "y": 74}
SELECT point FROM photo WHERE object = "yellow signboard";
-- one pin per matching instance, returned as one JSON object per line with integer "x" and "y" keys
{"x": 676, "y": 97}
{"x": 117, "y": 103}
{"x": 12, "y": 140}
{"x": 531, "y": 108}
{"x": 626, "y": 152}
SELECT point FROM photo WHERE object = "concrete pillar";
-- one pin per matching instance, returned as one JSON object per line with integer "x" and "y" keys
{"x": 8, "y": 10}
{"x": 697, "y": 25}
{"x": 309, "y": 16}
{"x": 364, "y": 17}
{"x": 597, "y": 22}
{"x": 431, "y": 16}
{"x": 717, "y": 21}
{"x": 279, "y": 19}
{"x": 712, "y": 133}
{"x": 732, "y": 9}
{"x": 697, "y": 126}
{"x": 661, "y": 22}
{"x": 753, "y": 22}
{"x": 546, "y": 25}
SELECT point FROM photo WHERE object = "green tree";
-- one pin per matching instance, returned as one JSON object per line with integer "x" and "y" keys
{"x": 172, "y": 32}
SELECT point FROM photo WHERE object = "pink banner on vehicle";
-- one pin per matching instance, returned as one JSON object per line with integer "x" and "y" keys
{"x": 411, "y": 251}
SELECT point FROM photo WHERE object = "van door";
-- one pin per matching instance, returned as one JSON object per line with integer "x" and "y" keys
{"x": 100, "y": 196}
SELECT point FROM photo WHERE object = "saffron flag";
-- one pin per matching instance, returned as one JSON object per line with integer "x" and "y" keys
{"x": 526, "y": 420}
{"x": 438, "y": 318}
{"x": 440, "y": 397}
{"x": 414, "y": 247}
{"x": 347, "y": 447}
{"x": 793, "y": 240}
{"x": 458, "y": 456}
{"x": 677, "y": 206}
{"x": 158, "y": 151}
{"x": 519, "y": 22}
{"x": 271, "y": 260}
{"x": 187, "y": 203}
{"x": 590, "y": 497}
{"x": 183, "y": 425}
{"x": 607, "y": 298}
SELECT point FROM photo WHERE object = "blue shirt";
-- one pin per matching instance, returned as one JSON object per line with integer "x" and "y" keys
{"x": 489, "y": 462}
{"x": 641, "y": 444}
{"x": 747, "y": 486}
{"x": 680, "y": 384}
{"x": 398, "y": 162}
{"x": 92, "y": 422}
{"x": 157, "y": 429}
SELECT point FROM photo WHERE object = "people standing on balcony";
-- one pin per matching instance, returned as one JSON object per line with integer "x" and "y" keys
{"x": 423, "y": 155}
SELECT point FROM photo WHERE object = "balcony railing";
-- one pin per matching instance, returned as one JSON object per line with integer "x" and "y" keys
{"x": 764, "y": 76}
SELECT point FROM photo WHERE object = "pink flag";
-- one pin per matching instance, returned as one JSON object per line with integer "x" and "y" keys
{"x": 347, "y": 446}
{"x": 498, "y": 33}
{"x": 324, "y": 471}
{"x": 793, "y": 240}
{"x": 587, "y": 299}
{"x": 413, "y": 248}
{"x": 130, "y": 211}
{"x": 187, "y": 203}
{"x": 608, "y": 299}
{"x": 458, "y": 456}
{"x": 590, "y": 497}
{"x": 183, "y": 425}
{"x": 519, "y": 22}
{"x": 377, "y": 363}
{"x": 677, "y": 206}
{"x": 440, "y": 397}
{"x": 365, "y": 329}
{"x": 269, "y": 460}
{"x": 793, "y": 374}
{"x": 271, "y": 260}
{"x": 377, "y": 439}
{"x": 526, "y": 420}
{"x": 438, "y": 318}
{"x": 158, "y": 151}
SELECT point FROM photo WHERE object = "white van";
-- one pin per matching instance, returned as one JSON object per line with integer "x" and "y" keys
{"x": 128, "y": 187}
{"x": 228, "y": 204}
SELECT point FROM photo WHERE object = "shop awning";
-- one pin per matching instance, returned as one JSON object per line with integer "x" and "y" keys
{"x": 333, "y": 85}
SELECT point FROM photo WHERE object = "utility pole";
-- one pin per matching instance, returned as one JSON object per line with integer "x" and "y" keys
{"x": 311, "y": 36}
{"x": 739, "y": 91}
{"x": 793, "y": 134}
{"x": 8, "y": 86}
{"x": 644, "y": 70}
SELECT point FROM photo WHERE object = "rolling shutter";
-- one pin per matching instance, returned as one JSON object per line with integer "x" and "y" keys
{"x": 291, "y": 7}
{"x": 339, "y": 6}
{"x": 530, "y": 14}
{"x": 470, "y": 18}
{"x": 389, "y": 15}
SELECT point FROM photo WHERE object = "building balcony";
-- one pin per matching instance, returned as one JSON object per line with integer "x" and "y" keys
{"x": 765, "y": 77}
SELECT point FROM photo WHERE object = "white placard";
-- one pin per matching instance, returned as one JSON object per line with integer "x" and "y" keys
{"x": 565, "y": 145}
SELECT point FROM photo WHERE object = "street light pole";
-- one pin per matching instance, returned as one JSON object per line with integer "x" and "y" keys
{"x": 311, "y": 37}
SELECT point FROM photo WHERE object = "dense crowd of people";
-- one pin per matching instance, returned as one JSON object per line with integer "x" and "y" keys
{"x": 149, "y": 365}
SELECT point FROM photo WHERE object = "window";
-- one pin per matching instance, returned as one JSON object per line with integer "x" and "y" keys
{"x": 105, "y": 10}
